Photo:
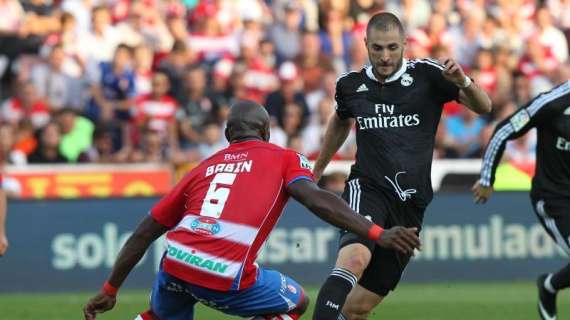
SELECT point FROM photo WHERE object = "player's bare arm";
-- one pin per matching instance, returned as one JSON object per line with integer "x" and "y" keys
{"x": 131, "y": 253}
{"x": 471, "y": 95}
{"x": 334, "y": 210}
{"x": 335, "y": 134}
{"x": 3, "y": 237}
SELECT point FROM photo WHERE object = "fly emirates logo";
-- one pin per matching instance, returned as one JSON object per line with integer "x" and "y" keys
{"x": 385, "y": 118}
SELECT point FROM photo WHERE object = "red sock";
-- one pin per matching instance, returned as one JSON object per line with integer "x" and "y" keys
{"x": 147, "y": 315}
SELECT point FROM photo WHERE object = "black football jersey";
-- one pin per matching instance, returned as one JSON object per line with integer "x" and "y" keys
{"x": 396, "y": 122}
{"x": 549, "y": 113}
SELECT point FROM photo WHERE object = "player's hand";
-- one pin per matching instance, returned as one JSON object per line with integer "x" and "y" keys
{"x": 401, "y": 239}
{"x": 98, "y": 304}
{"x": 481, "y": 193}
{"x": 453, "y": 72}
{"x": 3, "y": 244}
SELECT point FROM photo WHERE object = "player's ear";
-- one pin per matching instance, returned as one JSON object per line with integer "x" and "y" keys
{"x": 227, "y": 134}
{"x": 265, "y": 133}
{"x": 366, "y": 41}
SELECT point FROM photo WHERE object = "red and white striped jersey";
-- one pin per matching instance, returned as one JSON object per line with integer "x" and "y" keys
{"x": 156, "y": 114}
{"x": 221, "y": 213}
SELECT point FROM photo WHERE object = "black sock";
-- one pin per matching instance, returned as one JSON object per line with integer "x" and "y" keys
{"x": 333, "y": 294}
{"x": 561, "y": 279}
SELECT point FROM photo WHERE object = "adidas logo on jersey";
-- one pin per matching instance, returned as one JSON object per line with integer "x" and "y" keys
{"x": 362, "y": 88}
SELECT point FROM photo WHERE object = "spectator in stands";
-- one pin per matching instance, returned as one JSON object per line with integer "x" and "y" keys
{"x": 25, "y": 142}
{"x": 521, "y": 89}
{"x": 326, "y": 90}
{"x": 102, "y": 150}
{"x": 151, "y": 149}
{"x": 213, "y": 140}
{"x": 259, "y": 79}
{"x": 312, "y": 134}
{"x": 207, "y": 38}
{"x": 288, "y": 93}
{"x": 286, "y": 33}
{"x": 463, "y": 131}
{"x": 437, "y": 31}
{"x": 144, "y": 26}
{"x": 361, "y": 10}
{"x": 54, "y": 85}
{"x": 26, "y": 104}
{"x": 157, "y": 111}
{"x": 311, "y": 62}
{"x": 142, "y": 55}
{"x": 48, "y": 148}
{"x": 550, "y": 36}
{"x": 538, "y": 64}
{"x": 335, "y": 41}
{"x": 76, "y": 134}
{"x": 267, "y": 53}
{"x": 197, "y": 106}
{"x": 99, "y": 44}
{"x": 292, "y": 119}
{"x": 464, "y": 40}
{"x": 295, "y": 143}
{"x": 175, "y": 65}
{"x": 414, "y": 13}
{"x": 72, "y": 65}
{"x": 112, "y": 88}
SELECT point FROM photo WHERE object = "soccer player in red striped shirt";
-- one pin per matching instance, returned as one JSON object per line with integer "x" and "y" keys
{"x": 217, "y": 218}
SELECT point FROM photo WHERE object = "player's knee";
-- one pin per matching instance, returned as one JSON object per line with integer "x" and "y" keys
{"x": 354, "y": 259}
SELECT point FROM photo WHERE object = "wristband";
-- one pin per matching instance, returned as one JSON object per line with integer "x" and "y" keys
{"x": 109, "y": 289}
{"x": 466, "y": 83}
{"x": 375, "y": 232}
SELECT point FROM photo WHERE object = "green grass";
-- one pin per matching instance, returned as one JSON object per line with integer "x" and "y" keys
{"x": 463, "y": 301}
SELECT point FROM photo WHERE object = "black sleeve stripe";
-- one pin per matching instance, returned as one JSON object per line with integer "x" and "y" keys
{"x": 503, "y": 134}
{"x": 498, "y": 140}
{"x": 431, "y": 63}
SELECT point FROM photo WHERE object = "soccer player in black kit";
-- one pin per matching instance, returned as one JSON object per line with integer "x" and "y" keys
{"x": 395, "y": 105}
{"x": 549, "y": 113}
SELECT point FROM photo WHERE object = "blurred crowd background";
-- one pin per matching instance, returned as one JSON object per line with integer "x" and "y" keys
{"x": 119, "y": 81}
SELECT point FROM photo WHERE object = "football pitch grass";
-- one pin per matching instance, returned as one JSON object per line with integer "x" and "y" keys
{"x": 443, "y": 301}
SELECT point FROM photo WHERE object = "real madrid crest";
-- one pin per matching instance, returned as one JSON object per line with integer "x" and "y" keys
{"x": 406, "y": 80}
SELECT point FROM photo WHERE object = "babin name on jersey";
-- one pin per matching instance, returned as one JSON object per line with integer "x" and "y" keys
{"x": 385, "y": 118}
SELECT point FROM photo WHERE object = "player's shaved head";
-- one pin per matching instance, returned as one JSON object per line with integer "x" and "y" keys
{"x": 384, "y": 21}
{"x": 247, "y": 119}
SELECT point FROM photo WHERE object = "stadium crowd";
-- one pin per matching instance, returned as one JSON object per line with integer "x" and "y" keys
{"x": 115, "y": 81}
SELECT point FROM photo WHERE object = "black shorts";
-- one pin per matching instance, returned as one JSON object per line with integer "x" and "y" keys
{"x": 386, "y": 209}
{"x": 554, "y": 215}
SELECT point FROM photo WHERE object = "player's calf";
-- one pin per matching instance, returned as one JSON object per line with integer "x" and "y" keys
{"x": 351, "y": 262}
{"x": 360, "y": 303}
{"x": 147, "y": 315}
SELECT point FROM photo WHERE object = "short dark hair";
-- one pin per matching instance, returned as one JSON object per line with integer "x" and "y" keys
{"x": 385, "y": 21}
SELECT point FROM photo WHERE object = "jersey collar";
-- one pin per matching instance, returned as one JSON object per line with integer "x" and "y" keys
{"x": 392, "y": 78}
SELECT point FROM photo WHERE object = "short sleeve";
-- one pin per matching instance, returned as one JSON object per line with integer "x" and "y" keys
{"x": 296, "y": 167}
{"x": 447, "y": 91}
{"x": 342, "y": 109}
{"x": 170, "y": 209}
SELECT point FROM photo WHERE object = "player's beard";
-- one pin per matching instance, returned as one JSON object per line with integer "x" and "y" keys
{"x": 396, "y": 68}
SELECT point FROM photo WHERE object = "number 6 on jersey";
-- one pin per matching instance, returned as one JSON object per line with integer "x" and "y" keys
{"x": 215, "y": 199}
